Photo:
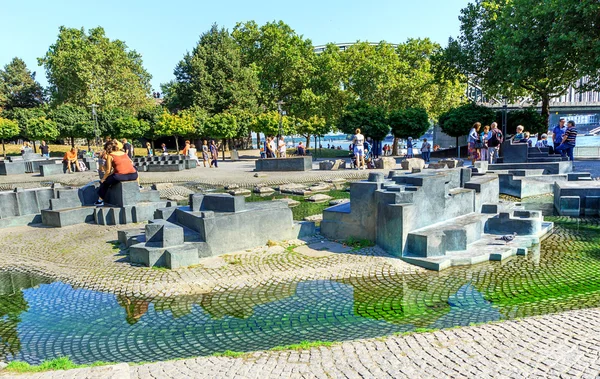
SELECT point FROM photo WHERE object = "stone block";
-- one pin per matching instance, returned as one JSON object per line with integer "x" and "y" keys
{"x": 129, "y": 236}
{"x": 569, "y": 206}
{"x": 12, "y": 168}
{"x": 223, "y": 203}
{"x": 28, "y": 203}
{"x": 319, "y": 198}
{"x": 181, "y": 256}
{"x": 9, "y": 205}
{"x": 88, "y": 194}
{"x": 161, "y": 233}
{"x": 149, "y": 196}
{"x": 284, "y": 164}
{"x": 147, "y": 256}
{"x": 574, "y": 176}
{"x": 412, "y": 163}
{"x": 332, "y": 165}
{"x": 167, "y": 214}
{"x": 452, "y": 163}
{"x": 263, "y": 190}
{"x": 162, "y": 186}
{"x": 123, "y": 194}
{"x": 592, "y": 205}
{"x": 190, "y": 163}
{"x": 51, "y": 169}
{"x": 386, "y": 163}
{"x": 65, "y": 217}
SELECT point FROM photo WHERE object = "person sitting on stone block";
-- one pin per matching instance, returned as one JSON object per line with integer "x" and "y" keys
{"x": 118, "y": 168}
{"x": 70, "y": 160}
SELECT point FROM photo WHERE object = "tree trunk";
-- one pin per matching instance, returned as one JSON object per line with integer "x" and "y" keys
{"x": 88, "y": 144}
{"x": 177, "y": 144}
{"x": 257, "y": 140}
{"x": 457, "y": 148}
{"x": 223, "y": 143}
{"x": 3, "y": 149}
{"x": 395, "y": 146}
{"x": 73, "y": 142}
{"x": 34, "y": 147}
{"x": 546, "y": 110}
{"x": 307, "y": 140}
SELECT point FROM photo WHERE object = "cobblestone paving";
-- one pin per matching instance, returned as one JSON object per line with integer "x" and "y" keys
{"x": 565, "y": 345}
{"x": 81, "y": 256}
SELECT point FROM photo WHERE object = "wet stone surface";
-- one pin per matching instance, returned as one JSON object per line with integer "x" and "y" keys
{"x": 90, "y": 321}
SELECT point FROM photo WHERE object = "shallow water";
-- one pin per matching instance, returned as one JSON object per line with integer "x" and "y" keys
{"x": 41, "y": 319}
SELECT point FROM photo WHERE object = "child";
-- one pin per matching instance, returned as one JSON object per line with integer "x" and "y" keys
{"x": 526, "y": 139}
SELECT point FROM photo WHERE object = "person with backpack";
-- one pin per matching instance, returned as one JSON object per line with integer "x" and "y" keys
{"x": 494, "y": 142}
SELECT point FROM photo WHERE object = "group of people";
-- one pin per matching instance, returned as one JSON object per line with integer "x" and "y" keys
{"x": 274, "y": 148}
{"x": 485, "y": 144}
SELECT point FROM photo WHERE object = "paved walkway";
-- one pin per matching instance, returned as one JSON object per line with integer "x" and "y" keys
{"x": 565, "y": 345}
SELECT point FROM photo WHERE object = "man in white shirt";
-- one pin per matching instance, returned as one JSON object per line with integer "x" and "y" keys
{"x": 359, "y": 150}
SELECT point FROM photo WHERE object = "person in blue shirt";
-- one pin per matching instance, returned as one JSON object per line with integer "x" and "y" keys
{"x": 568, "y": 141}
{"x": 558, "y": 132}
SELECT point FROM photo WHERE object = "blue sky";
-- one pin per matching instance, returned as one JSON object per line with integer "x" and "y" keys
{"x": 162, "y": 31}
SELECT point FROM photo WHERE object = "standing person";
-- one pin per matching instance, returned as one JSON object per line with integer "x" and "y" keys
{"x": 494, "y": 142}
{"x": 474, "y": 142}
{"x": 45, "y": 149}
{"x": 426, "y": 150}
{"x": 568, "y": 141}
{"x": 70, "y": 160}
{"x": 273, "y": 147}
{"x": 127, "y": 148}
{"x": 205, "y": 152}
{"x": 300, "y": 149}
{"x": 358, "y": 140}
{"x": 409, "y": 148}
{"x": 282, "y": 150}
{"x": 484, "y": 137}
{"x": 558, "y": 132}
{"x": 26, "y": 148}
{"x": 148, "y": 149}
{"x": 164, "y": 149}
{"x": 118, "y": 168}
{"x": 214, "y": 154}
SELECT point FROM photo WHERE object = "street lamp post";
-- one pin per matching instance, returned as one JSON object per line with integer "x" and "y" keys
{"x": 504, "y": 114}
{"x": 95, "y": 114}
{"x": 279, "y": 104}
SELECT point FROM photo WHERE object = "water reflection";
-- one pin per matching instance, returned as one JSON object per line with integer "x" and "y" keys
{"x": 41, "y": 320}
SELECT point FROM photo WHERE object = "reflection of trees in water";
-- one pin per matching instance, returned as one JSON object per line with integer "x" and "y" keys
{"x": 12, "y": 304}
{"x": 238, "y": 303}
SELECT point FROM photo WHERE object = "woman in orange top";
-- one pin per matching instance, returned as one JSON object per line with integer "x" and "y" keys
{"x": 186, "y": 148}
{"x": 118, "y": 168}
{"x": 70, "y": 160}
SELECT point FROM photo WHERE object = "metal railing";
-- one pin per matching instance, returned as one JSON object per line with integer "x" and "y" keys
{"x": 587, "y": 152}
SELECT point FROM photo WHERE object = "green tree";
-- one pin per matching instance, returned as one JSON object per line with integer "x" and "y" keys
{"x": 212, "y": 77}
{"x": 222, "y": 126}
{"x": 8, "y": 129}
{"x": 72, "y": 122}
{"x": 150, "y": 115}
{"x": 268, "y": 124}
{"x": 129, "y": 126}
{"x": 409, "y": 122}
{"x": 23, "y": 115}
{"x": 518, "y": 48}
{"x": 283, "y": 58}
{"x": 313, "y": 126}
{"x": 40, "y": 128}
{"x": 88, "y": 68}
{"x": 371, "y": 120}
{"x": 530, "y": 118}
{"x": 18, "y": 87}
{"x": 457, "y": 122}
{"x": 175, "y": 125}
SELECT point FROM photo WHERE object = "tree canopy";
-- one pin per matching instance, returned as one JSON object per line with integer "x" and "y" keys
{"x": 371, "y": 120}
{"x": 526, "y": 47}
{"x": 409, "y": 122}
{"x": 457, "y": 122}
{"x": 89, "y": 68}
{"x": 212, "y": 77}
{"x": 18, "y": 87}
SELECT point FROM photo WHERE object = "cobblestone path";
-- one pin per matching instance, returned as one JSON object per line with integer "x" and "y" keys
{"x": 565, "y": 345}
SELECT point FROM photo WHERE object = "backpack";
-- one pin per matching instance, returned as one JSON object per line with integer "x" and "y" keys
{"x": 496, "y": 139}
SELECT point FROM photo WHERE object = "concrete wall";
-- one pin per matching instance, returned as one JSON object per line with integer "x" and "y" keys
{"x": 284, "y": 164}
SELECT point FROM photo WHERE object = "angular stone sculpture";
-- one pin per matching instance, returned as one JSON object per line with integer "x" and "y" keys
{"x": 412, "y": 163}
